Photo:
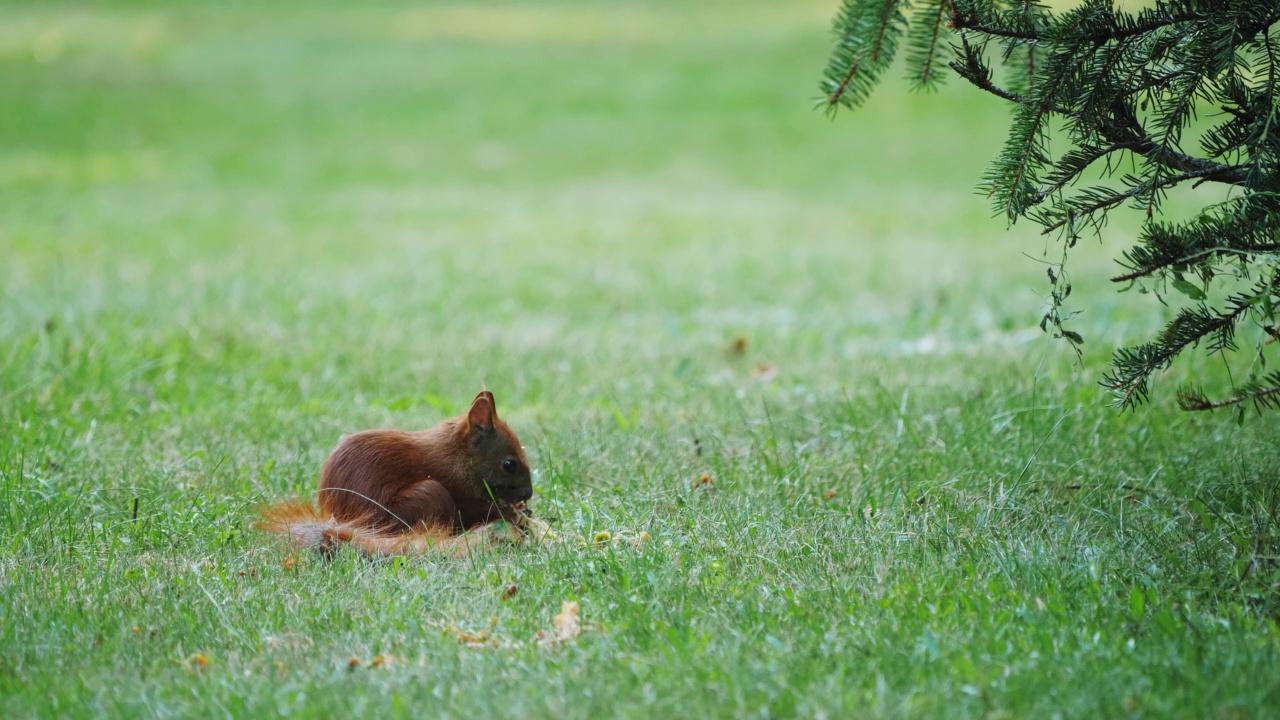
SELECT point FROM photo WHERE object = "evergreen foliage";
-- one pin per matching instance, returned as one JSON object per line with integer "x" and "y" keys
{"x": 1118, "y": 92}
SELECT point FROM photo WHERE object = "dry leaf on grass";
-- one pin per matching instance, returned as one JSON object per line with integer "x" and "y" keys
{"x": 568, "y": 622}
{"x": 765, "y": 373}
{"x": 480, "y": 639}
{"x": 568, "y": 625}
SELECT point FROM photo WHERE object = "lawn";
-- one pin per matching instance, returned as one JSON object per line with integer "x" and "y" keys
{"x": 232, "y": 232}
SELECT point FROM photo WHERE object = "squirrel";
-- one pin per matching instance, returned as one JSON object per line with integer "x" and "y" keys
{"x": 390, "y": 492}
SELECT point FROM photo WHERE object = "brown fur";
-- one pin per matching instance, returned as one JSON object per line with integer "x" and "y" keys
{"x": 389, "y": 492}
{"x": 312, "y": 529}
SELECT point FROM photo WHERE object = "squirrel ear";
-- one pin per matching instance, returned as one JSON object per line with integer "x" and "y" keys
{"x": 483, "y": 411}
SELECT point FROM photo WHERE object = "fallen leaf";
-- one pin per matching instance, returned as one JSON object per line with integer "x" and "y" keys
{"x": 765, "y": 373}
{"x": 568, "y": 622}
{"x": 466, "y": 638}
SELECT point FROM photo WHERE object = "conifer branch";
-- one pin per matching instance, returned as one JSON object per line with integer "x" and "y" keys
{"x": 1263, "y": 394}
{"x": 924, "y": 36}
{"x": 1238, "y": 227}
{"x": 1125, "y": 86}
{"x": 979, "y": 75}
{"x": 962, "y": 21}
{"x": 867, "y": 38}
{"x": 1128, "y": 131}
{"x": 1198, "y": 256}
{"x": 882, "y": 28}
{"x": 1108, "y": 201}
{"x": 1073, "y": 164}
{"x": 1134, "y": 366}
{"x": 838, "y": 94}
{"x": 1123, "y": 130}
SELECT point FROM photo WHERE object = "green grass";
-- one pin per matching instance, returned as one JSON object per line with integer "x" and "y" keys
{"x": 230, "y": 234}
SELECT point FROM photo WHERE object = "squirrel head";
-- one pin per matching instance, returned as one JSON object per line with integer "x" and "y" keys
{"x": 497, "y": 459}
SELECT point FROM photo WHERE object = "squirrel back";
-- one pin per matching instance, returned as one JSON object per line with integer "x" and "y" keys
{"x": 389, "y": 492}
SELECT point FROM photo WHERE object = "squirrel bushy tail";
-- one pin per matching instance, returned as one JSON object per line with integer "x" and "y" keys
{"x": 310, "y": 528}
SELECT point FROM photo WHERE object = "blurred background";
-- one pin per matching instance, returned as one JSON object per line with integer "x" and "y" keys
{"x": 351, "y": 208}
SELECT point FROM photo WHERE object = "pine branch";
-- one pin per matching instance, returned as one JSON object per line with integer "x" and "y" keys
{"x": 924, "y": 36}
{"x": 1243, "y": 227}
{"x": 881, "y": 29}
{"x": 1126, "y": 87}
{"x": 1105, "y": 94}
{"x": 1135, "y": 365}
{"x": 868, "y": 33}
{"x": 1123, "y": 130}
{"x": 974, "y": 70}
{"x": 991, "y": 26}
{"x": 1021, "y": 157}
{"x": 1264, "y": 393}
{"x": 961, "y": 21}
{"x": 1197, "y": 257}
{"x": 1107, "y": 200}
{"x": 1074, "y": 163}
{"x": 1176, "y": 108}
{"x": 1031, "y": 47}
{"x": 1257, "y": 141}
{"x": 838, "y": 94}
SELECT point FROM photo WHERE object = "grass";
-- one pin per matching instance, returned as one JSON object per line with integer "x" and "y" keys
{"x": 232, "y": 234}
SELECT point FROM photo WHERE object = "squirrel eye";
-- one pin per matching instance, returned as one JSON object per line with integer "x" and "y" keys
{"x": 510, "y": 466}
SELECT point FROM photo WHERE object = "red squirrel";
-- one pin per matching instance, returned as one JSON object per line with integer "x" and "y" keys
{"x": 389, "y": 492}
